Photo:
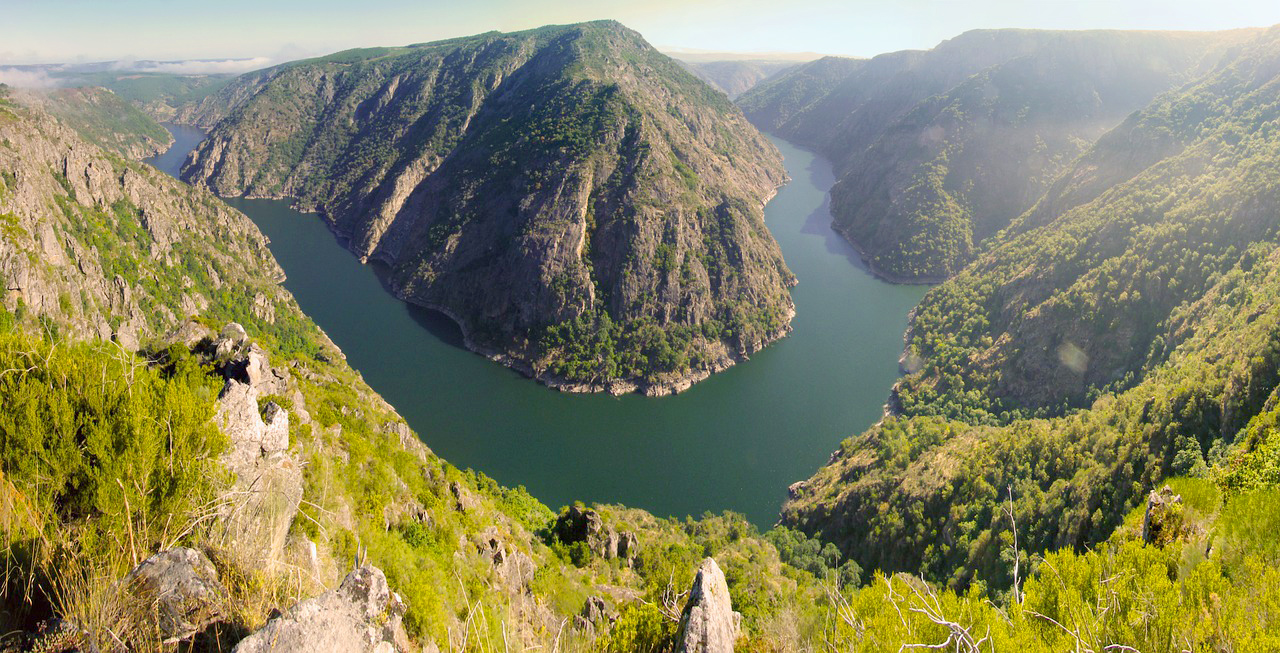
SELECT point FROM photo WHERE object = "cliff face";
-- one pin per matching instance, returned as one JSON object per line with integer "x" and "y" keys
{"x": 1053, "y": 314}
{"x": 588, "y": 211}
{"x": 108, "y": 248}
{"x": 105, "y": 119}
{"x": 939, "y": 150}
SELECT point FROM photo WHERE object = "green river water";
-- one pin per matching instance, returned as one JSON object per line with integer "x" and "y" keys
{"x": 733, "y": 442}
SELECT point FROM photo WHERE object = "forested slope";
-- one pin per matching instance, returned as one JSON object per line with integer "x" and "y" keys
{"x": 587, "y": 210}
{"x": 1079, "y": 362}
{"x": 938, "y": 150}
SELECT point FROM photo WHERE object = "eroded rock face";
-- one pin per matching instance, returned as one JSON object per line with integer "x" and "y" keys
{"x": 264, "y": 498}
{"x": 362, "y": 615}
{"x": 579, "y": 524}
{"x": 67, "y": 209}
{"x": 181, "y": 590}
{"x": 709, "y": 624}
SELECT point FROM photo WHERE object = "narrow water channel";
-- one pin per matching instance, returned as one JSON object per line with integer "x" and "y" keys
{"x": 732, "y": 442}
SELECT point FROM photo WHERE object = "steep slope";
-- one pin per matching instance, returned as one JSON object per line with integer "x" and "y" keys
{"x": 940, "y": 150}
{"x": 114, "y": 249}
{"x": 734, "y": 77}
{"x": 107, "y": 120}
{"x": 1097, "y": 285}
{"x": 777, "y": 102}
{"x": 1148, "y": 315}
{"x": 586, "y": 210}
{"x": 113, "y": 383}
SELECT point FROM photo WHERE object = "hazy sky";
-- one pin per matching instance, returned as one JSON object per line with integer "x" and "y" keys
{"x": 90, "y": 30}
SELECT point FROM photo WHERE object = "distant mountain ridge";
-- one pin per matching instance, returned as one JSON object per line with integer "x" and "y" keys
{"x": 1123, "y": 331}
{"x": 586, "y": 209}
{"x": 937, "y": 150}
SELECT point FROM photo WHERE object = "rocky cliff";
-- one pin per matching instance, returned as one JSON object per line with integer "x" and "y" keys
{"x": 937, "y": 151}
{"x": 106, "y": 119}
{"x": 585, "y": 209}
{"x": 734, "y": 77}
{"x": 107, "y": 248}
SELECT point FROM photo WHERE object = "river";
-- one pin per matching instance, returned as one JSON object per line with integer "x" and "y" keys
{"x": 733, "y": 442}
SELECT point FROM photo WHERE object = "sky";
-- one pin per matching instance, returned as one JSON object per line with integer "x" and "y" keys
{"x": 48, "y": 31}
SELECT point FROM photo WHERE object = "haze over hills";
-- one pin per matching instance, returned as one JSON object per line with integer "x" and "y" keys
{"x": 1103, "y": 206}
{"x": 735, "y": 73}
{"x": 1134, "y": 311}
{"x": 938, "y": 150}
{"x": 587, "y": 210}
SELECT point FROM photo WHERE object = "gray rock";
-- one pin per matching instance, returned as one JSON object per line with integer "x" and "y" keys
{"x": 229, "y": 340}
{"x": 180, "y": 588}
{"x": 709, "y": 624}
{"x": 361, "y": 615}
{"x": 264, "y": 498}
{"x": 595, "y": 610}
{"x": 584, "y": 525}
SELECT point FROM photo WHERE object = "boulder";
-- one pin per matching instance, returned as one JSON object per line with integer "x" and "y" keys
{"x": 362, "y": 615}
{"x": 708, "y": 624}
{"x": 181, "y": 590}
{"x": 261, "y": 503}
{"x": 579, "y": 524}
{"x": 229, "y": 341}
{"x": 595, "y": 611}
{"x": 1162, "y": 523}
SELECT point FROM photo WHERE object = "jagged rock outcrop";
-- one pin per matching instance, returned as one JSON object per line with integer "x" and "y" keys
{"x": 1162, "y": 523}
{"x": 586, "y": 210}
{"x": 578, "y": 524}
{"x": 708, "y": 624}
{"x": 106, "y": 120}
{"x": 360, "y": 616}
{"x": 260, "y": 505}
{"x": 513, "y": 567}
{"x": 180, "y": 591}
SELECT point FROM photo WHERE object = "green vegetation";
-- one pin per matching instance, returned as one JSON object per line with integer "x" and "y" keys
{"x": 1079, "y": 361}
{"x": 108, "y": 121}
{"x": 547, "y": 186}
{"x": 930, "y": 168}
{"x": 147, "y": 90}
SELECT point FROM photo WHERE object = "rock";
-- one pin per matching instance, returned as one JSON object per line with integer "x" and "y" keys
{"x": 264, "y": 498}
{"x": 190, "y": 334}
{"x": 796, "y": 490}
{"x": 464, "y": 501}
{"x": 181, "y": 591}
{"x": 595, "y": 610}
{"x": 514, "y": 567}
{"x": 1162, "y": 523}
{"x": 361, "y": 615}
{"x": 229, "y": 340}
{"x": 628, "y": 545}
{"x": 579, "y": 524}
{"x": 708, "y": 624}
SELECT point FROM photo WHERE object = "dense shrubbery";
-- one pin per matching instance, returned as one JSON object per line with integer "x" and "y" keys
{"x": 106, "y": 457}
